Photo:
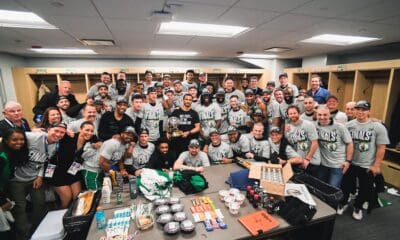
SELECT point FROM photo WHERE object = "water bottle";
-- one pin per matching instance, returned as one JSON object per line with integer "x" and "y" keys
{"x": 133, "y": 189}
{"x": 119, "y": 197}
{"x": 100, "y": 219}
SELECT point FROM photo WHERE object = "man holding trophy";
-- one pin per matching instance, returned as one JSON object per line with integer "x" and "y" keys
{"x": 183, "y": 126}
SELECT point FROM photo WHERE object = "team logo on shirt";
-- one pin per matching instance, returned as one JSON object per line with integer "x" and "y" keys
{"x": 299, "y": 138}
{"x": 362, "y": 138}
{"x": 328, "y": 139}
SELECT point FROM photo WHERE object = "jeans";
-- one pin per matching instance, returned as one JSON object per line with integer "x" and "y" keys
{"x": 332, "y": 176}
{"x": 18, "y": 192}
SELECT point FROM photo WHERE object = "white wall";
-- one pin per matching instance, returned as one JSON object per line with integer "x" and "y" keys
{"x": 315, "y": 61}
{"x": 7, "y": 62}
{"x": 73, "y": 62}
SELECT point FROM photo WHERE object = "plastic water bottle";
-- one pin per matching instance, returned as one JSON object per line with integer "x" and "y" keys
{"x": 106, "y": 191}
{"x": 100, "y": 219}
{"x": 133, "y": 189}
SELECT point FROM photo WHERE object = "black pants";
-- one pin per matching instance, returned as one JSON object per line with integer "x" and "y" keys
{"x": 312, "y": 170}
{"x": 366, "y": 185}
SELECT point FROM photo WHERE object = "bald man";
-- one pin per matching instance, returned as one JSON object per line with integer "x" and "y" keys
{"x": 51, "y": 99}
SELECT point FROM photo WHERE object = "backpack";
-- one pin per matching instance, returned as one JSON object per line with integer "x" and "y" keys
{"x": 189, "y": 181}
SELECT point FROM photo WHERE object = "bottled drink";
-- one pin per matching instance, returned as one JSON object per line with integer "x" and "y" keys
{"x": 100, "y": 219}
{"x": 106, "y": 191}
{"x": 133, "y": 189}
{"x": 119, "y": 197}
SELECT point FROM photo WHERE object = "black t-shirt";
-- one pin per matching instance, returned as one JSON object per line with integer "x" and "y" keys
{"x": 110, "y": 126}
{"x": 187, "y": 119}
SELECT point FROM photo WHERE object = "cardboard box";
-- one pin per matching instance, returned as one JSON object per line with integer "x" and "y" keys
{"x": 277, "y": 188}
{"x": 391, "y": 173}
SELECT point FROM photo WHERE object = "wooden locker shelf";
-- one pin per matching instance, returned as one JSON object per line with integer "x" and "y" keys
{"x": 301, "y": 80}
{"x": 373, "y": 86}
{"x": 341, "y": 84}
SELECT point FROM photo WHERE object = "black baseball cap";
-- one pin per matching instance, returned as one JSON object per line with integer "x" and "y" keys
{"x": 212, "y": 131}
{"x": 283, "y": 75}
{"x": 129, "y": 129}
{"x": 249, "y": 91}
{"x": 333, "y": 97}
{"x": 232, "y": 129}
{"x": 143, "y": 131}
{"x": 363, "y": 104}
{"x": 121, "y": 100}
{"x": 151, "y": 89}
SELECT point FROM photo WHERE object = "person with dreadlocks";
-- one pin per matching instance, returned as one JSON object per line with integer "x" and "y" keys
{"x": 209, "y": 114}
{"x": 225, "y": 107}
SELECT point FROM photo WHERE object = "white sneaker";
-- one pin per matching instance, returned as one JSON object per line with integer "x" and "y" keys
{"x": 341, "y": 208}
{"x": 365, "y": 206}
{"x": 357, "y": 214}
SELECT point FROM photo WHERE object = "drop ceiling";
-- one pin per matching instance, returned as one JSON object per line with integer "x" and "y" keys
{"x": 274, "y": 23}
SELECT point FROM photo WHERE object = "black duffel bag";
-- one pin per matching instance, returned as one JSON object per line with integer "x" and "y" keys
{"x": 327, "y": 193}
{"x": 74, "y": 224}
{"x": 295, "y": 211}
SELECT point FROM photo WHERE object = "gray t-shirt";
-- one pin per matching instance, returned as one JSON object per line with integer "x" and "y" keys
{"x": 39, "y": 153}
{"x": 365, "y": 138}
{"x": 140, "y": 155}
{"x": 133, "y": 115}
{"x": 300, "y": 136}
{"x": 225, "y": 107}
{"x": 218, "y": 153}
{"x": 200, "y": 160}
{"x": 304, "y": 116}
{"x": 241, "y": 146}
{"x": 273, "y": 111}
{"x": 236, "y": 92}
{"x": 259, "y": 147}
{"x": 178, "y": 99}
{"x": 208, "y": 116}
{"x": 152, "y": 115}
{"x": 186, "y": 85}
{"x": 112, "y": 150}
{"x": 340, "y": 117}
{"x": 237, "y": 118}
{"x": 92, "y": 93}
{"x": 332, "y": 140}
{"x": 290, "y": 152}
{"x": 90, "y": 158}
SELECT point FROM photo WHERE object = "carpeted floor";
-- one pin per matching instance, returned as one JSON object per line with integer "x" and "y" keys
{"x": 381, "y": 224}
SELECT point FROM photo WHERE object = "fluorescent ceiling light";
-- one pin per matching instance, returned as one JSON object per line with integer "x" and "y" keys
{"x": 16, "y": 19}
{"x": 63, "y": 51}
{"x": 255, "y": 55}
{"x": 277, "y": 49}
{"x": 200, "y": 29}
{"x": 98, "y": 42}
{"x": 341, "y": 40}
{"x": 173, "y": 53}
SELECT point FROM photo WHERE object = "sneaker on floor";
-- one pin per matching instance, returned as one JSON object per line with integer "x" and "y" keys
{"x": 341, "y": 208}
{"x": 357, "y": 214}
{"x": 365, "y": 206}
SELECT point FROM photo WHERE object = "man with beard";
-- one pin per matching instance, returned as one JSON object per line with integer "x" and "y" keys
{"x": 178, "y": 98}
{"x": 236, "y": 116}
{"x": 189, "y": 124}
{"x": 250, "y": 104}
{"x": 63, "y": 105}
{"x": 195, "y": 100}
{"x": 239, "y": 143}
{"x": 189, "y": 81}
{"x": 270, "y": 108}
{"x": 166, "y": 82}
{"x": 121, "y": 86}
{"x": 209, "y": 114}
{"x": 225, "y": 107}
{"x": 309, "y": 109}
{"x": 153, "y": 116}
{"x": 317, "y": 92}
{"x": 259, "y": 147}
{"x": 112, "y": 123}
{"x": 336, "y": 147}
{"x": 159, "y": 91}
{"x": 332, "y": 102}
{"x": 102, "y": 92}
{"x": 193, "y": 159}
{"x": 163, "y": 157}
{"x": 89, "y": 114}
{"x": 244, "y": 84}
{"x": 219, "y": 152}
{"x": 303, "y": 136}
{"x": 230, "y": 90}
{"x": 105, "y": 79}
{"x": 281, "y": 151}
{"x": 138, "y": 155}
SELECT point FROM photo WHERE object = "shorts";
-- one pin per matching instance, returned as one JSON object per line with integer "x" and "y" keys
{"x": 92, "y": 180}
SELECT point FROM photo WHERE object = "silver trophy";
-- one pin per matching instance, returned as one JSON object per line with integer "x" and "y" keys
{"x": 173, "y": 127}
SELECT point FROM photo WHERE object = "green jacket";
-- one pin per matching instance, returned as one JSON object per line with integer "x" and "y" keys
{"x": 5, "y": 170}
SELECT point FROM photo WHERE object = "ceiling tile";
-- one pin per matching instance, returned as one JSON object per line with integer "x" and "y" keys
{"x": 272, "y": 5}
{"x": 246, "y": 17}
{"x": 292, "y": 22}
{"x": 194, "y": 12}
{"x": 73, "y": 8}
{"x": 394, "y": 20}
{"x": 376, "y": 11}
{"x": 12, "y": 5}
{"x": 130, "y": 27}
{"x": 134, "y": 9}
{"x": 329, "y": 8}
{"x": 50, "y": 38}
{"x": 211, "y": 2}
